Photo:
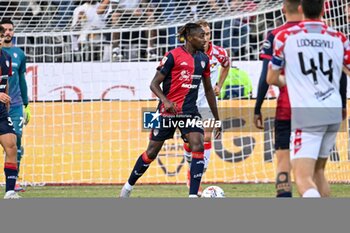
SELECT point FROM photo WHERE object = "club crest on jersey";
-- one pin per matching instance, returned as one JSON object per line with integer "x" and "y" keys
{"x": 155, "y": 132}
{"x": 15, "y": 55}
{"x": 203, "y": 64}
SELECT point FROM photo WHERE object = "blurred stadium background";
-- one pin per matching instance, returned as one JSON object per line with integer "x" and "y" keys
{"x": 88, "y": 72}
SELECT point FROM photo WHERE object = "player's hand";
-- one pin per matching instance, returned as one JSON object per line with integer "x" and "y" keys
{"x": 258, "y": 121}
{"x": 344, "y": 113}
{"x": 27, "y": 115}
{"x": 170, "y": 107}
{"x": 217, "y": 90}
{"x": 217, "y": 132}
{"x": 5, "y": 98}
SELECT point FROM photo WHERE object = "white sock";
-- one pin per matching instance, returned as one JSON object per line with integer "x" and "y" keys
{"x": 188, "y": 156}
{"x": 128, "y": 186}
{"x": 193, "y": 196}
{"x": 206, "y": 158}
{"x": 311, "y": 193}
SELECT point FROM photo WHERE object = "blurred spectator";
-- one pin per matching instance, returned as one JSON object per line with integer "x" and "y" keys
{"x": 123, "y": 13}
{"x": 237, "y": 85}
{"x": 85, "y": 18}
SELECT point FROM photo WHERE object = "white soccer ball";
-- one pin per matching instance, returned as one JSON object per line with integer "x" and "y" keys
{"x": 213, "y": 192}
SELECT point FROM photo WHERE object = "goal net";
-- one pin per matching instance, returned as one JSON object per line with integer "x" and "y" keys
{"x": 89, "y": 67}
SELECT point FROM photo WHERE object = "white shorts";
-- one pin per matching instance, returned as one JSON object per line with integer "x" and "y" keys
{"x": 203, "y": 108}
{"x": 313, "y": 142}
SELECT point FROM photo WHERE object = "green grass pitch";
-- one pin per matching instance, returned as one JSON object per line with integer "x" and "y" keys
{"x": 164, "y": 191}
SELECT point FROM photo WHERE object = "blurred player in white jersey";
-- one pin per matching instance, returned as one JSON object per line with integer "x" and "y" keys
{"x": 218, "y": 57}
{"x": 312, "y": 55}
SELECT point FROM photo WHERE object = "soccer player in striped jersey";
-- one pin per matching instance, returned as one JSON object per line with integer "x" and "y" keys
{"x": 283, "y": 111}
{"x": 181, "y": 71}
{"x": 7, "y": 132}
{"x": 17, "y": 89}
{"x": 283, "y": 115}
{"x": 312, "y": 56}
{"x": 218, "y": 57}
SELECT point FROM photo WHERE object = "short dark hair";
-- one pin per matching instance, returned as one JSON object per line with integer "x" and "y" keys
{"x": 312, "y": 8}
{"x": 6, "y": 21}
{"x": 187, "y": 30}
{"x": 2, "y": 29}
{"x": 291, "y": 6}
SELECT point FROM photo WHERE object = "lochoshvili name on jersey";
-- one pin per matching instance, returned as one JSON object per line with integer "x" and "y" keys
{"x": 319, "y": 43}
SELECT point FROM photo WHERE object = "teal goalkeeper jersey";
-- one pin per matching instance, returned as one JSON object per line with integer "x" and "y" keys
{"x": 18, "y": 68}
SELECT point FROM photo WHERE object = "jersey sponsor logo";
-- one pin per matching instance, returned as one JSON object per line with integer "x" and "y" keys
{"x": 185, "y": 75}
{"x": 321, "y": 96}
{"x": 184, "y": 63}
{"x": 203, "y": 64}
{"x": 14, "y": 64}
{"x": 189, "y": 86}
{"x": 315, "y": 43}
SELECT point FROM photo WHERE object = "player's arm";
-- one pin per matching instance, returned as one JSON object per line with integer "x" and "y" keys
{"x": 343, "y": 93}
{"x": 223, "y": 75}
{"x": 263, "y": 87}
{"x": 277, "y": 62}
{"x": 24, "y": 88}
{"x": 155, "y": 88}
{"x": 225, "y": 68}
{"x": 164, "y": 68}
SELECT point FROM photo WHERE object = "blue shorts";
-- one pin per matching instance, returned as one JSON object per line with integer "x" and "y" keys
{"x": 16, "y": 114}
{"x": 282, "y": 134}
{"x": 166, "y": 132}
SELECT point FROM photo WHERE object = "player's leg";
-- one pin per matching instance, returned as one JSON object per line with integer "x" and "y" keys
{"x": 320, "y": 178}
{"x": 157, "y": 138}
{"x": 305, "y": 147}
{"x": 188, "y": 158}
{"x": 207, "y": 146}
{"x": 16, "y": 114}
{"x": 141, "y": 166}
{"x": 195, "y": 140}
{"x": 8, "y": 142}
{"x": 327, "y": 145}
{"x": 283, "y": 167}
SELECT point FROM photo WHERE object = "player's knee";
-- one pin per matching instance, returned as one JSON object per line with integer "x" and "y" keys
{"x": 151, "y": 153}
{"x": 198, "y": 147}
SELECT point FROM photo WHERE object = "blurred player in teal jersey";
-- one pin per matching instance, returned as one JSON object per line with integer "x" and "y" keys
{"x": 17, "y": 89}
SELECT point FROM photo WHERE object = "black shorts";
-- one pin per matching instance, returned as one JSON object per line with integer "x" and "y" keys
{"x": 166, "y": 132}
{"x": 282, "y": 134}
{"x": 6, "y": 126}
